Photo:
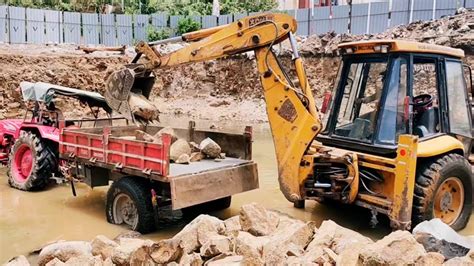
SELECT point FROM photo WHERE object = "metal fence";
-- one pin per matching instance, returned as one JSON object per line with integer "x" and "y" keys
{"x": 26, "y": 25}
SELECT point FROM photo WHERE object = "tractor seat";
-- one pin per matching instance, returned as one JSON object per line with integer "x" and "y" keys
{"x": 427, "y": 123}
{"x": 360, "y": 129}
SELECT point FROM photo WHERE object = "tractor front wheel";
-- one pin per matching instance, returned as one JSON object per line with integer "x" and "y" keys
{"x": 443, "y": 190}
{"x": 31, "y": 163}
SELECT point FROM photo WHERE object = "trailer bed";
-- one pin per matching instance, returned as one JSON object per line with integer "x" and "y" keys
{"x": 204, "y": 165}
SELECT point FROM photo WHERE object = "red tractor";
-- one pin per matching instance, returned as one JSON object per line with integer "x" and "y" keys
{"x": 29, "y": 146}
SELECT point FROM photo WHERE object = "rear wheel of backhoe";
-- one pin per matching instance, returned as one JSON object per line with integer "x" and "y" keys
{"x": 129, "y": 202}
{"x": 443, "y": 190}
{"x": 31, "y": 163}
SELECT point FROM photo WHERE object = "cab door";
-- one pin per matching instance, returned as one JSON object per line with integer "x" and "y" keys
{"x": 458, "y": 105}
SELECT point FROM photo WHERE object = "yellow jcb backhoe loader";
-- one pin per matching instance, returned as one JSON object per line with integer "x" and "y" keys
{"x": 397, "y": 133}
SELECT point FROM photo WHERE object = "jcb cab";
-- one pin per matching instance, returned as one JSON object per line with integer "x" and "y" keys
{"x": 403, "y": 108}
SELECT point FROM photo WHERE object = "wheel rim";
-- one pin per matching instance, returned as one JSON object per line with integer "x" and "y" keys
{"x": 125, "y": 211}
{"x": 22, "y": 163}
{"x": 449, "y": 200}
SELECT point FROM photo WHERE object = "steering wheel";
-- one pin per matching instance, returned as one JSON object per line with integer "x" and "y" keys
{"x": 422, "y": 102}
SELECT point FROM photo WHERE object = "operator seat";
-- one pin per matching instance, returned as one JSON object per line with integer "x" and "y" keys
{"x": 426, "y": 123}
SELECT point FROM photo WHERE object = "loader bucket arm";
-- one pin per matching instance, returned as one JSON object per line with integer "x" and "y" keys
{"x": 292, "y": 113}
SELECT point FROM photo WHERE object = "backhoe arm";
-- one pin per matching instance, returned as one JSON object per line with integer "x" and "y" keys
{"x": 292, "y": 113}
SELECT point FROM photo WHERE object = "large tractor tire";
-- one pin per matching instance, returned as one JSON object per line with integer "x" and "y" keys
{"x": 31, "y": 163}
{"x": 206, "y": 207}
{"x": 443, "y": 190}
{"x": 129, "y": 202}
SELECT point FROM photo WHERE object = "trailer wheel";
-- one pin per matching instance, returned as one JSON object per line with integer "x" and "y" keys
{"x": 443, "y": 190}
{"x": 215, "y": 205}
{"x": 31, "y": 163}
{"x": 129, "y": 203}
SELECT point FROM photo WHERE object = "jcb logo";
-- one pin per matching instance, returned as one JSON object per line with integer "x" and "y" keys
{"x": 257, "y": 20}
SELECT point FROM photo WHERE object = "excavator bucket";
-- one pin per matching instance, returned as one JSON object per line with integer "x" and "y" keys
{"x": 128, "y": 90}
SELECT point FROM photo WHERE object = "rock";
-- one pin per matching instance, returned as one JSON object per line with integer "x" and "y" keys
{"x": 430, "y": 259}
{"x": 462, "y": 261}
{"x": 141, "y": 256}
{"x": 399, "y": 247}
{"x": 143, "y": 136}
{"x": 193, "y": 259}
{"x": 103, "y": 246}
{"x": 167, "y": 130}
{"x": 142, "y": 107}
{"x": 121, "y": 254}
{"x": 210, "y": 148}
{"x": 55, "y": 262}
{"x": 18, "y": 261}
{"x": 232, "y": 225}
{"x": 198, "y": 231}
{"x": 288, "y": 241}
{"x": 178, "y": 148}
{"x": 183, "y": 159}
{"x": 251, "y": 247}
{"x": 226, "y": 259}
{"x": 84, "y": 261}
{"x": 64, "y": 251}
{"x": 217, "y": 244}
{"x": 196, "y": 156}
{"x": 447, "y": 249}
{"x": 440, "y": 230}
{"x": 127, "y": 234}
{"x": 194, "y": 147}
{"x": 256, "y": 220}
{"x": 336, "y": 237}
{"x": 166, "y": 251}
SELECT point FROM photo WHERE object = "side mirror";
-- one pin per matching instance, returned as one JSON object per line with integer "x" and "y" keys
{"x": 326, "y": 102}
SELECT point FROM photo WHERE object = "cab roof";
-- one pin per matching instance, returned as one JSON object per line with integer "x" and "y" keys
{"x": 366, "y": 47}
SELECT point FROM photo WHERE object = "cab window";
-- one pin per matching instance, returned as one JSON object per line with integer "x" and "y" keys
{"x": 459, "y": 122}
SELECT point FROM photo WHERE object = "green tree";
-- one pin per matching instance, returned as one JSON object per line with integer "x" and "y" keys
{"x": 187, "y": 24}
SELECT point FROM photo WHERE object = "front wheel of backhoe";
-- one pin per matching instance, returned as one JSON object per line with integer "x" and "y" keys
{"x": 443, "y": 190}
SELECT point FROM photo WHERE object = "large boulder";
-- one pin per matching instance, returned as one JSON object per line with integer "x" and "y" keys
{"x": 64, "y": 251}
{"x": 436, "y": 236}
{"x": 167, "y": 130}
{"x": 399, "y": 247}
{"x": 85, "y": 261}
{"x": 257, "y": 220}
{"x": 251, "y": 247}
{"x": 226, "y": 259}
{"x": 210, "y": 148}
{"x": 430, "y": 259}
{"x": 18, "y": 261}
{"x": 178, "y": 148}
{"x": 467, "y": 260}
{"x": 198, "y": 232}
{"x": 121, "y": 254}
{"x": 288, "y": 241}
{"x": 232, "y": 225}
{"x": 166, "y": 251}
{"x": 215, "y": 245}
{"x": 193, "y": 259}
{"x": 103, "y": 246}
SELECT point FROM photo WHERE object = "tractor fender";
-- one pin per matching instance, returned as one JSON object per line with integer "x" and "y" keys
{"x": 46, "y": 132}
{"x": 439, "y": 145}
{"x": 10, "y": 127}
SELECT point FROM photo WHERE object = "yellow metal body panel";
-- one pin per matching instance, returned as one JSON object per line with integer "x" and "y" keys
{"x": 438, "y": 145}
{"x": 366, "y": 47}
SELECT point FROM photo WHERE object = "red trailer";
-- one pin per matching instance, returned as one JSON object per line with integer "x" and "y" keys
{"x": 143, "y": 177}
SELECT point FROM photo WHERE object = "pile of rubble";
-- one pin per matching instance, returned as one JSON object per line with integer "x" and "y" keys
{"x": 455, "y": 31}
{"x": 261, "y": 237}
{"x": 182, "y": 151}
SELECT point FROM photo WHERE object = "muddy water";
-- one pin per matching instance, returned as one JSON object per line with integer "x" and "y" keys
{"x": 29, "y": 220}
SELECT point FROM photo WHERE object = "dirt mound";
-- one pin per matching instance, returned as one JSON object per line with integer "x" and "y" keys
{"x": 231, "y": 80}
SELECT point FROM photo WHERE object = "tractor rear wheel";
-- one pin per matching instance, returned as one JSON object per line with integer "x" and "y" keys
{"x": 31, "y": 163}
{"x": 129, "y": 202}
{"x": 443, "y": 190}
